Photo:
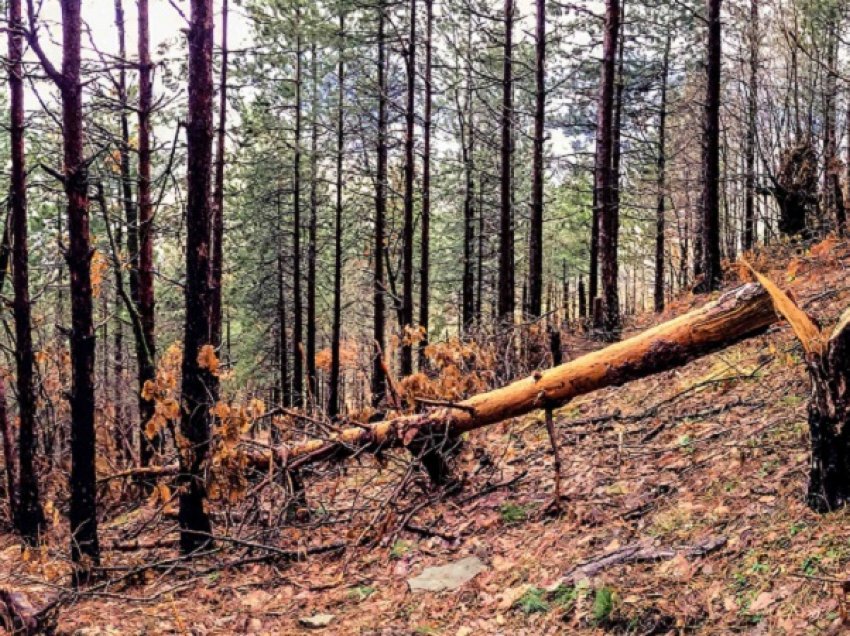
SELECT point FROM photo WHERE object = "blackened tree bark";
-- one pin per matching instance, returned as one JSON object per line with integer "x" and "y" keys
{"x": 582, "y": 299}
{"x": 146, "y": 301}
{"x": 83, "y": 508}
{"x": 468, "y": 156}
{"x": 711, "y": 272}
{"x": 660, "y": 167}
{"x": 409, "y": 170}
{"x": 829, "y": 412}
{"x": 535, "y": 239}
{"x": 593, "y": 269}
{"x": 506, "y": 302}
{"x": 828, "y": 93}
{"x": 379, "y": 380}
{"x": 611, "y": 309}
{"x": 27, "y": 511}
{"x": 425, "y": 253}
{"x": 608, "y": 225}
{"x": 336, "y": 329}
{"x": 750, "y": 142}
{"x": 217, "y": 229}
{"x": 297, "y": 327}
{"x": 195, "y": 423}
{"x": 282, "y": 333}
{"x": 121, "y": 431}
{"x": 312, "y": 227}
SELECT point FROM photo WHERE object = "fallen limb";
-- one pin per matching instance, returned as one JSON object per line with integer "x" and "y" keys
{"x": 17, "y": 615}
{"x": 640, "y": 553}
{"x": 736, "y": 315}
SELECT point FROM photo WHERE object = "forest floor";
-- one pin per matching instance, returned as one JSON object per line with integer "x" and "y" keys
{"x": 702, "y": 470}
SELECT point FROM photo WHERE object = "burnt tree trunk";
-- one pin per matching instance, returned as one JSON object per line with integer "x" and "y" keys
{"x": 750, "y": 142}
{"x": 425, "y": 251}
{"x": 121, "y": 431}
{"x": 312, "y": 231}
{"x": 28, "y": 515}
{"x": 407, "y": 229}
{"x": 297, "y": 330}
{"x": 83, "y": 508}
{"x": 535, "y": 239}
{"x": 582, "y": 299}
{"x": 467, "y": 147}
{"x": 710, "y": 227}
{"x": 660, "y": 167}
{"x": 336, "y": 330}
{"x": 217, "y": 225}
{"x": 195, "y": 422}
{"x": 506, "y": 216}
{"x": 379, "y": 380}
{"x": 146, "y": 307}
{"x": 829, "y": 422}
{"x": 608, "y": 225}
{"x": 610, "y": 294}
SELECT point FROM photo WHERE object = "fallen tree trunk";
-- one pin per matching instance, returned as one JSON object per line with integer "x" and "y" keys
{"x": 736, "y": 315}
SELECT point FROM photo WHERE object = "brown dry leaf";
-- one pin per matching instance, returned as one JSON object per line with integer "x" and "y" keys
{"x": 824, "y": 249}
{"x": 207, "y": 359}
{"x": 762, "y": 602}
{"x": 804, "y": 328}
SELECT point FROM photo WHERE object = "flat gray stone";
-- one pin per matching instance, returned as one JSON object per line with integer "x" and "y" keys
{"x": 317, "y": 621}
{"x": 447, "y": 577}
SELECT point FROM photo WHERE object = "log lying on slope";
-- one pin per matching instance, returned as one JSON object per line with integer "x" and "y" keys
{"x": 736, "y": 315}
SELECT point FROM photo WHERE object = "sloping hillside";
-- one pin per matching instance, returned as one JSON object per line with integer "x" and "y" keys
{"x": 683, "y": 510}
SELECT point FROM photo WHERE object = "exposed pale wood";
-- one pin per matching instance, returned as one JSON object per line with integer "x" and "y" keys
{"x": 737, "y": 314}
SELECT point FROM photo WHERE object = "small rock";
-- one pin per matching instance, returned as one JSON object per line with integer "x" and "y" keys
{"x": 317, "y": 621}
{"x": 447, "y": 577}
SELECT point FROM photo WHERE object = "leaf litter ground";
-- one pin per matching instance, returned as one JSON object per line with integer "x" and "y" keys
{"x": 711, "y": 454}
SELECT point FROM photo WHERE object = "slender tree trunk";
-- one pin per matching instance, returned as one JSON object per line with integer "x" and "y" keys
{"x": 297, "y": 331}
{"x": 312, "y": 382}
{"x": 27, "y": 512}
{"x": 336, "y": 331}
{"x": 145, "y": 346}
{"x": 131, "y": 218}
{"x": 582, "y": 299}
{"x": 407, "y": 230}
{"x": 425, "y": 258}
{"x": 842, "y": 226}
{"x": 379, "y": 380}
{"x": 609, "y": 225}
{"x": 711, "y": 271}
{"x": 535, "y": 240}
{"x": 750, "y": 143}
{"x": 593, "y": 269}
{"x": 479, "y": 272}
{"x": 217, "y": 232}
{"x": 611, "y": 319}
{"x": 661, "y": 166}
{"x": 283, "y": 341}
{"x": 83, "y": 509}
{"x": 468, "y": 155}
{"x": 506, "y": 221}
{"x": 195, "y": 423}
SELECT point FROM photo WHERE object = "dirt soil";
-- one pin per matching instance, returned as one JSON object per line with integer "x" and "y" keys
{"x": 701, "y": 471}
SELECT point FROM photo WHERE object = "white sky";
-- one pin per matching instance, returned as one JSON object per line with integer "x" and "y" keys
{"x": 165, "y": 26}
